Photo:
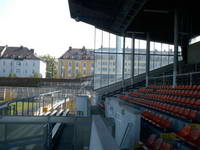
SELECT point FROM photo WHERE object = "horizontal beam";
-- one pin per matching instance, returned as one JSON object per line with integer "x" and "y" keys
{"x": 38, "y": 119}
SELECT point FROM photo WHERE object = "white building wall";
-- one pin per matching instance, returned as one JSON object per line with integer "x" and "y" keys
{"x": 123, "y": 115}
{"x": 22, "y": 68}
{"x": 5, "y": 67}
{"x": 43, "y": 69}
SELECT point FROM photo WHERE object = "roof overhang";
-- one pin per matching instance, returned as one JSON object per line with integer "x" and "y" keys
{"x": 124, "y": 17}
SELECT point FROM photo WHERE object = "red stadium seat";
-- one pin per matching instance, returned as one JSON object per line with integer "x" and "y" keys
{"x": 197, "y": 103}
{"x": 194, "y": 135}
{"x": 193, "y": 114}
{"x": 151, "y": 140}
{"x": 191, "y": 102}
{"x": 185, "y": 131}
{"x": 176, "y": 109}
{"x": 166, "y": 146}
{"x": 187, "y": 101}
{"x": 198, "y": 87}
{"x": 180, "y": 111}
{"x": 165, "y": 124}
{"x": 186, "y": 113}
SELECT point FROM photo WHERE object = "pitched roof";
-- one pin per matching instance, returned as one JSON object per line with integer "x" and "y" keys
{"x": 78, "y": 54}
{"x": 18, "y": 53}
{"x": 1, "y": 49}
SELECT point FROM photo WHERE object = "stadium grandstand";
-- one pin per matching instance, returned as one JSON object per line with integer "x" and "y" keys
{"x": 146, "y": 83}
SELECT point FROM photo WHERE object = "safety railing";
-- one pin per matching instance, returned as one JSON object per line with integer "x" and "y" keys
{"x": 192, "y": 78}
{"x": 42, "y": 104}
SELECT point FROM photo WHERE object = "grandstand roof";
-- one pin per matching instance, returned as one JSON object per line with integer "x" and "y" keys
{"x": 140, "y": 16}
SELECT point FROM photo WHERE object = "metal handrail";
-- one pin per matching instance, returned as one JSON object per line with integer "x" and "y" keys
{"x": 181, "y": 74}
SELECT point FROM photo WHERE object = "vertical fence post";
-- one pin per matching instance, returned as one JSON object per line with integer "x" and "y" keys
{"x": 22, "y": 108}
{"x": 28, "y": 108}
{"x": 175, "y": 47}
{"x": 147, "y": 59}
{"x": 190, "y": 78}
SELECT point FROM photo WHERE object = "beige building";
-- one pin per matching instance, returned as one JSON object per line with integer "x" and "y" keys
{"x": 75, "y": 63}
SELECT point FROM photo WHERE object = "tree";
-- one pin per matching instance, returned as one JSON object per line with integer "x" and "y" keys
{"x": 37, "y": 75}
{"x": 12, "y": 75}
{"x": 51, "y": 69}
{"x": 79, "y": 74}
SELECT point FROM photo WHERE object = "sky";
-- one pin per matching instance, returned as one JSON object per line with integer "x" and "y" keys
{"x": 44, "y": 25}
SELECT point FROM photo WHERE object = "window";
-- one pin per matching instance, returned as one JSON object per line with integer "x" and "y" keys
{"x": 25, "y": 71}
{"x": 33, "y": 71}
{"x": 4, "y": 70}
{"x": 18, "y": 70}
{"x": 4, "y": 63}
{"x": 26, "y": 63}
{"x": 33, "y": 63}
{"x": 18, "y": 63}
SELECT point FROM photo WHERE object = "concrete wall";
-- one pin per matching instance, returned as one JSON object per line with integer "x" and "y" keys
{"x": 101, "y": 138}
{"x": 194, "y": 53}
{"x": 123, "y": 114}
{"x": 82, "y": 104}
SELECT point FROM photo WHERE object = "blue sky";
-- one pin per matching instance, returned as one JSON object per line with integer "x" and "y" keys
{"x": 44, "y": 25}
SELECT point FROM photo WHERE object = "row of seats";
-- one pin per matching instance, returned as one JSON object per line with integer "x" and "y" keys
{"x": 187, "y": 113}
{"x": 189, "y": 135}
{"x": 174, "y": 99}
{"x": 157, "y": 120}
{"x": 179, "y": 92}
{"x": 190, "y": 93}
{"x": 156, "y": 143}
{"x": 146, "y": 90}
{"x": 181, "y": 87}
{"x": 167, "y": 98}
{"x": 182, "y": 112}
{"x": 136, "y": 94}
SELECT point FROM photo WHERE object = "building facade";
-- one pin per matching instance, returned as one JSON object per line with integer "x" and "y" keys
{"x": 20, "y": 62}
{"x": 75, "y": 63}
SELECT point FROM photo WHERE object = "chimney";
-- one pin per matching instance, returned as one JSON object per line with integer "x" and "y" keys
{"x": 83, "y": 48}
{"x": 70, "y": 48}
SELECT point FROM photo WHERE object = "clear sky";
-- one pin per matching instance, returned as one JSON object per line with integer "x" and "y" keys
{"x": 44, "y": 25}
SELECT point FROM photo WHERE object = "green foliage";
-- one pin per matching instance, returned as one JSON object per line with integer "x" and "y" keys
{"x": 51, "y": 69}
{"x": 37, "y": 75}
{"x": 78, "y": 75}
{"x": 12, "y": 75}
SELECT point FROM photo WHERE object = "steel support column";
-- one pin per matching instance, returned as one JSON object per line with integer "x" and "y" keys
{"x": 133, "y": 58}
{"x": 147, "y": 59}
{"x": 123, "y": 63}
{"x": 175, "y": 47}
